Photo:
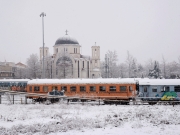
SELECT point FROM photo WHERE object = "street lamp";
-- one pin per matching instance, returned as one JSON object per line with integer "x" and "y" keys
{"x": 42, "y": 15}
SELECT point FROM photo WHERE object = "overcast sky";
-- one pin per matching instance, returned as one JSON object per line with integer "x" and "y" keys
{"x": 147, "y": 29}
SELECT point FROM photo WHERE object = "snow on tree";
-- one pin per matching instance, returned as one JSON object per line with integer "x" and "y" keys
{"x": 140, "y": 71}
{"x": 155, "y": 73}
{"x": 122, "y": 69}
{"x": 64, "y": 66}
{"x": 131, "y": 64}
{"x": 173, "y": 70}
{"x": 33, "y": 66}
{"x": 110, "y": 65}
{"x": 164, "y": 67}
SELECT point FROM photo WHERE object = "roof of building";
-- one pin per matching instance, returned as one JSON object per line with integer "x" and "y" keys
{"x": 66, "y": 40}
{"x": 19, "y": 64}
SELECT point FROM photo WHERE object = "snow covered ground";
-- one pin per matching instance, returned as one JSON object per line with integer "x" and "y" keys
{"x": 89, "y": 119}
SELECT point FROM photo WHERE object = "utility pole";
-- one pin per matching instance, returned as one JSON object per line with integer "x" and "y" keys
{"x": 42, "y": 15}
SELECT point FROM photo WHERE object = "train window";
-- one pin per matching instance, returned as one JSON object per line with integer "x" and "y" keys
{"x": 36, "y": 88}
{"x": 165, "y": 88}
{"x": 123, "y": 88}
{"x": 45, "y": 88}
{"x": 54, "y": 88}
{"x": 73, "y": 88}
{"x": 30, "y": 88}
{"x": 112, "y": 88}
{"x": 64, "y": 88}
{"x": 145, "y": 89}
{"x": 130, "y": 88}
{"x": 102, "y": 88}
{"x": 154, "y": 89}
{"x": 82, "y": 88}
{"x": 177, "y": 88}
{"x": 92, "y": 88}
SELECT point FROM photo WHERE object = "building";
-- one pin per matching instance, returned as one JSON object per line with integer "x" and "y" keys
{"x": 10, "y": 70}
{"x": 68, "y": 62}
{"x": 7, "y": 70}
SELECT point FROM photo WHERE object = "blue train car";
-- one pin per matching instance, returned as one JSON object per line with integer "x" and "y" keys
{"x": 14, "y": 84}
{"x": 159, "y": 89}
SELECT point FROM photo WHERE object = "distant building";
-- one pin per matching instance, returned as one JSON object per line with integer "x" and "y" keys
{"x": 7, "y": 70}
{"x": 20, "y": 65}
{"x": 10, "y": 70}
{"x": 68, "y": 62}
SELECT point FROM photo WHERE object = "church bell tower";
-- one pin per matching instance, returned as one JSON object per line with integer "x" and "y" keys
{"x": 95, "y": 61}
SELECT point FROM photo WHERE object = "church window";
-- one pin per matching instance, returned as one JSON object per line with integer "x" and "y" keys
{"x": 74, "y": 50}
{"x": 57, "y": 50}
{"x": 83, "y": 64}
{"x": 95, "y": 49}
{"x": 66, "y": 49}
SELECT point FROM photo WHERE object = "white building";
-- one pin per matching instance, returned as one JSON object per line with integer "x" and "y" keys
{"x": 67, "y": 62}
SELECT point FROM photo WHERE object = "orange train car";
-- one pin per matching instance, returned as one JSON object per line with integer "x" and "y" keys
{"x": 106, "y": 89}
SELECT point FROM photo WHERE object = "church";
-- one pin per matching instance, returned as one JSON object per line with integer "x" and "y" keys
{"x": 68, "y": 62}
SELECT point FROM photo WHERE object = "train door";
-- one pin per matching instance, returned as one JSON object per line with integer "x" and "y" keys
{"x": 145, "y": 91}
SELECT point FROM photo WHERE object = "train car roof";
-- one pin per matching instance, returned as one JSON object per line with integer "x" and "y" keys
{"x": 14, "y": 80}
{"x": 159, "y": 82}
{"x": 82, "y": 81}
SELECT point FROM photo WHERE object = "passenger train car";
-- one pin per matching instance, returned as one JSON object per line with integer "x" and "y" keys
{"x": 159, "y": 90}
{"x": 106, "y": 89}
{"x": 109, "y": 90}
{"x": 14, "y": 84}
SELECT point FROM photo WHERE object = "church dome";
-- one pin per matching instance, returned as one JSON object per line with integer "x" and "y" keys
{"x": 66, "y": 40}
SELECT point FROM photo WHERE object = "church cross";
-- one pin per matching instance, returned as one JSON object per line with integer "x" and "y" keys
{"x": 66, "y": 32}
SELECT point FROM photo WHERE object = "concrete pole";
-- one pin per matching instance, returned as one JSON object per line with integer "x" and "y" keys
{"x": 42, "y": 15}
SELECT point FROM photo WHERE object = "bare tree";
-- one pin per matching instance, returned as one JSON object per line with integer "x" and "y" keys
{"x": 48, "y": 66}
{"x": 134, "y": 68}
{"x": 164, "y": 66}
{"x": 173, "y": 70}
{"x": 20, "y": 73}
{"x": 129, "y": 61}
{"x": 140, "y": 71}
{"x": 148, "y": 65}
{"x": 64, "y": 66}
{"x": 112, "y": 66}
{"x": 102, "y": 67}
{"x": 179, "y": 64}
{"x": 122, "y": 70}
{"x": 33, "y": 65}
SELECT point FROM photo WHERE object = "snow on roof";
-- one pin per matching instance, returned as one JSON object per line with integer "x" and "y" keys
{"x": 14, "y": 80}
{"x": 159, "y": 82}
{"x": 81, "y": 81}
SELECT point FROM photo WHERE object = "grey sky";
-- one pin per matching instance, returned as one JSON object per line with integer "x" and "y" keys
{"x": 146, "y": 28}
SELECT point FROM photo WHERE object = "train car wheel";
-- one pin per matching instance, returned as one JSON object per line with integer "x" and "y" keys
{"x": 152, "y": 103}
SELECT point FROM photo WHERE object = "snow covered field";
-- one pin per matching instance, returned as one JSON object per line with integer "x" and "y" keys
{"x": 88, "y": 119}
